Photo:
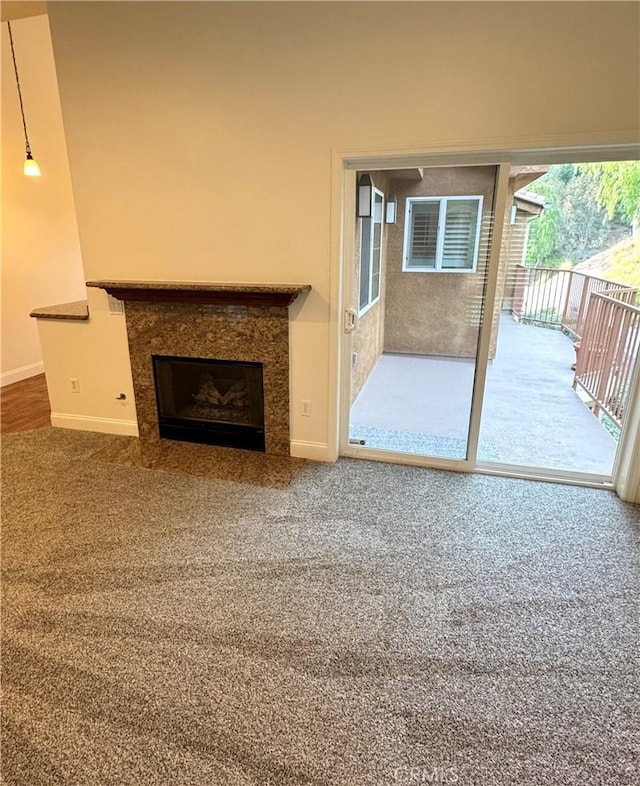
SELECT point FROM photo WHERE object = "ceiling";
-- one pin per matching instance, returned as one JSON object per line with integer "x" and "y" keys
{"x": 18, "y": 9}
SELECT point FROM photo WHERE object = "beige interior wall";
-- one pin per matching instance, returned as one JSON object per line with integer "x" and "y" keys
{"x": 368, "y": 340}
{"x": 100, "y": 345}
{"x": 41, "y": 263}
{"x": 201, "y": 135}
{"x": 628, "y": 480}
{"x": 19, "y": 9}
{"x": 437, "y": 313}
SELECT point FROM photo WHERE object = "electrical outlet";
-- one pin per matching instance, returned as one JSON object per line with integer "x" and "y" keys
{"x": 305, "y": 408}
{"x": 75, "y": 385}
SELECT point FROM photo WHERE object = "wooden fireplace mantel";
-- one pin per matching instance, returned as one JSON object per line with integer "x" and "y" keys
{"x": 224, "y": 294}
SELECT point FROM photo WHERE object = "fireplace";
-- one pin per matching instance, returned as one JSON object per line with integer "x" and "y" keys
{"x": 210, "y": 401}
{"x": 202, "y": 324}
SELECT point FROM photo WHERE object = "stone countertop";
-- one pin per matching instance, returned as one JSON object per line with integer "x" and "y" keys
{"x": 202, "y": 286}
{"x": 203, "y": 292}
{"x": 78, "y": 310}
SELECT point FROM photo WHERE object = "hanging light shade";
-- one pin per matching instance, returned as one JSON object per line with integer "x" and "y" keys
{"x": 364, "y": 202}
{"x": 30, "y": 168}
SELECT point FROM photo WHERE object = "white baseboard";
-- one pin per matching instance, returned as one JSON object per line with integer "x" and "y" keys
{"x": 314, "y": 451}
{"x": 18, "y": 374}
{"x": 128, "y": 428}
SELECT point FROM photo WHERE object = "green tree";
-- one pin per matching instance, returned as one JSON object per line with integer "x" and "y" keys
{"x": 582, "y": 226}
{"x": 573, "y": 226}
{"x": 543, "y": 231}
{"x": 619, "y": 189}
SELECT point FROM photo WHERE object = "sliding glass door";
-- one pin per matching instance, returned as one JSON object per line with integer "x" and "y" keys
{"x": 493, "y": 318}
{"x": 415, "y": 335}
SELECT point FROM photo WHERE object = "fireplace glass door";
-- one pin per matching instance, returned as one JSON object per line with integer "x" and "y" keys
{"x": 215, "y": 402}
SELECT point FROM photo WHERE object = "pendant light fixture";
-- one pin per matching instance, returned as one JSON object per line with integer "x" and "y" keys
{"x": 31, "y": 168}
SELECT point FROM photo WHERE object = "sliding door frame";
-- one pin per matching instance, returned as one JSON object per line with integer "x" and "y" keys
{"x": 345, "y": 165}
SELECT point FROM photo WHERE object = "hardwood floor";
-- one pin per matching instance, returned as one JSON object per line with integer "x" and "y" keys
{"x": 24, "y": 405}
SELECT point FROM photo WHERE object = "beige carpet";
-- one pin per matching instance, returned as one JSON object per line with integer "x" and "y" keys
{"x": 369, "y": 624}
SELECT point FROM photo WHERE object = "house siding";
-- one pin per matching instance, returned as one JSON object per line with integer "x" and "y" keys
{"x": 436, "y": 313}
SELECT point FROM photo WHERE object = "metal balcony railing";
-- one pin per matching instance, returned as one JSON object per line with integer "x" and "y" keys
{"x": 560, "y": 298}
{"x": 608, "y": 353}
{"x": 602, "y": 319}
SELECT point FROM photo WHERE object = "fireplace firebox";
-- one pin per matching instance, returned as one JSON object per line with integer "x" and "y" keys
{"x": 214, "y": 402}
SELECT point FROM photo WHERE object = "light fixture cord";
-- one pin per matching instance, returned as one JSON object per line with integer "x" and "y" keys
{"x": 15, "y": 68}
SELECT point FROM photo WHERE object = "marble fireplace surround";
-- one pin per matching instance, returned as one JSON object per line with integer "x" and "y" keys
{"x": 245, "y": 322}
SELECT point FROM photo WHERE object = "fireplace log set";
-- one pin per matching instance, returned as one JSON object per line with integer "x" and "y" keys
{"x": 210, "y": 401}
{"x": 212, "y": 404}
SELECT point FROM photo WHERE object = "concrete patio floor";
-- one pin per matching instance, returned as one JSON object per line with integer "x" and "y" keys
{"x": 531, "y": 416}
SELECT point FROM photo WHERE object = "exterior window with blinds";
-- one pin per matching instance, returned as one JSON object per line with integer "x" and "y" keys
{"x": 442, "y": 234}
{"x": 371, "y": 254}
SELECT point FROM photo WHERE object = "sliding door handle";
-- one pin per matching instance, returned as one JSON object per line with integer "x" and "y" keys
{"x": 350, "y": 320}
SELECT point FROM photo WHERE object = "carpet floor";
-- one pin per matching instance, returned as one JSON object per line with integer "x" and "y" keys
{"x": 370, "y": 624}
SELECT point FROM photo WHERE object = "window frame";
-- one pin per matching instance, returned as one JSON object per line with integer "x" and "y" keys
{"x": 408, "y": 229}
{"x": 363, "y": 223}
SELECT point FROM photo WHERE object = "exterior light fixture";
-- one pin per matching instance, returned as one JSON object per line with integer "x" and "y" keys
{"x": 364, "y": 202}
{"x": 392, "y": 210}
{"x": 31, "y": 168}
